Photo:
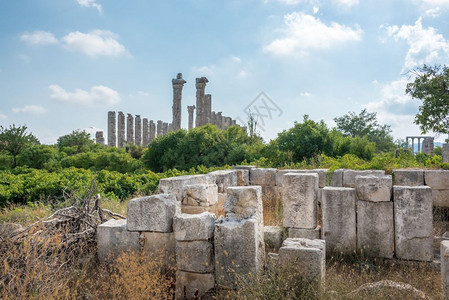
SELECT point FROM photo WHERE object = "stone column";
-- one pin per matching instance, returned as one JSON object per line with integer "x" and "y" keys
{"x": 445, "y": 153}
{"x": 121, "y": 130}
{"x": 130, "y": 129}
{"x": 152, "y": 131}
{"x": 112, "y": 138}
{"x": 207, "y": 108}
{"x": 191, "y": 110}
{"x": 178, "y": 84}
{"x": 170, "y": 127}
{"x": 159, "y": 127}
{"x": 99, "y": 138}
{"x": 219, "y": 120}
{"x": 138, "y": 132}
{"x": 146, "y": 133}
{"x": 164, "y": 128}
{"x": 427, "y": 146}
{"x": 200, "y": 87}
{"x": 213, "y": 118}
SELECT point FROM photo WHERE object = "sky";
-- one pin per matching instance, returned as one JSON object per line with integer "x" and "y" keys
{"x": 65, "y": 63}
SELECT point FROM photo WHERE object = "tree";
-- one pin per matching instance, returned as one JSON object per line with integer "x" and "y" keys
{"x": 77, "y": 139}
{"x": 15, "y": 139}
{"x": 431, "y": 86}
{"x": 365, "y": 124}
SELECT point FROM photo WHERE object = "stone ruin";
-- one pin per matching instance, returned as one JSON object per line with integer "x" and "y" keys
{"x": 142, "y": 131}
{"x": 388, "y": 217}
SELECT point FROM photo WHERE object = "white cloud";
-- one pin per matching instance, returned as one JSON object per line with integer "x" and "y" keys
{"x": 3, "y": 117}
{"x": 305, "y": 33}
{"x": 346, "y": 3}
{"x": 316, "y": 9}
{"x": 94, "y": 43}
{"x": 236, "y": 59}
{"x": 39, "y": 38}
{"x": 90, "y": 3}
{"x": 30, "y": 109}
{"x": 98, "y": 95}
{"x": 426, "y": 46}
{"x": 375, "y": 81}
{"x": 305, "y": 94}
{"x": 433, "y": 12}
{"x": 436, "y": 2}
{"x": 290, "y": 2}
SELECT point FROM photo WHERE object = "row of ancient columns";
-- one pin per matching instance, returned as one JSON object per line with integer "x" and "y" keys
{"x": 427, "y": 144}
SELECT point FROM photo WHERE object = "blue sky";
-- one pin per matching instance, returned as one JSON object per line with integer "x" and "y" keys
{"x": 65, "y": 63}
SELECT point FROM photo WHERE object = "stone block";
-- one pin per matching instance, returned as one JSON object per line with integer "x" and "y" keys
{"x": 299, "y": 195}
{"x": 349, "y": 176}
{"x": 242, "y": 177}
{"x": 413, "y": 219}
{"x": 374, "y": 188}
{"x": 408, "y": 177}
{"x": 194, "y": 210}
{"x": 153, "y": 213}
{"x": 160, "y": 246}
{"x": 311, "y": 234}
{"x": 271, "y": 194}
{"x": 437, "y": 179}
{"x": 248, "y": 168}
{"x": 196, "y": 256}
{"x": 273, "y": 236}
{"x": 339, "y": 219}
{"x": 198, "y": 227}
{"x": 337, "y": 178}
{"x": 375, "y": 228}
{"x": 200, "y": 195}
{"x": 262, "y": 176}
{"x": 193, "y": 285}
{"x": 113, "y": 239}
{"x": 225, "y": 179}
{"x": 321, "y": 175}
{"x": 174, "y": 185}
{"x": 444, "y": 250}
{"x": 440, "y": 198}
{"x": 243, "y": 202}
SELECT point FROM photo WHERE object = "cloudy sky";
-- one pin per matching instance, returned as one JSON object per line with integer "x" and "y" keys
{"x": 64, "y": 64}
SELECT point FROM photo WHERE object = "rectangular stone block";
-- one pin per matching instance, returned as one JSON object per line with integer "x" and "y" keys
{"x": 271, "y": 194}
{"x": 174, "y": 185}
{"x": 349, "y": 176}
{"x": 225, "y": 179}
{"x": 200, "y": 194}
{"x": 113, "y": 239}
{"x": 153, "y": 213}
{"x": 273, "y": 236}
{"x": 194, "y": 286}
{"x": 198, "y": 227}
{"x": 262, "y": 176}
{"x": 242, "y": 177}
{"x": 437, "y": 179}
{"x": 248, "y": 168}
{"x": 337, "y": 178}
{"x": 160, "y": 246}
{"x": 444, "y": 250}
{"x": 244, "y": 202}
{"x": 375, "y": 228}
{"x": 374, "y": 188}
{"x": 194, "y": 210}
{"x": 339, "y": 219}
{"x": 440, "y": 198}
{"x": 413, "y": 219}
{"x": 299, "y": 195}
{"x": 311, "y": 234}
{"x": 196, "y": 256}
{"x": 321, "y": 175}
{"x": 408, "y": 177}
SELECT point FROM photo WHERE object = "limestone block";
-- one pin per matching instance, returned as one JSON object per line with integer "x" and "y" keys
{"x": 272, "y": 262}
{"x": 225, "y": 179}
{"x": 271, "y": 194}
{"x": 444, "y": 250}
{"x": 196, "y": 256}
{"x": 299, "y": 195}
{"x": 375, "y": 228}
{"x": 408, "y": 177}
{"x": 193, "y": 285}
{"x": 200, "y": 194}
{"x": 321, "y": 175}
{"x": 440, "y": 198}
{"x": 413, "y": 221}
{"x": 349, "y": 176}
{"x": 437, "y": 179}
{"x": 337, "y": 178}
{"x": 273, "y": 236}
{"x": 243, "y": 202}
{"x": 262, "y": 176}
{"x": 311, "y": 234}
{"x": 152, "y": 213}
{"x": 174, "y": 185}
{"x": 160, "y": 246}
{"x": 339, "y": 219}
{"x": 113, "y": 239}
{"x": 239, "y": 250}
{"x": 374, "y": 188}
{"x": 198, "y": 227}
{"x": 307, "y": 243}
{"x": 248, "y": 168}
{"x": 194, "y": 210}
{"x": 242, "y": 177}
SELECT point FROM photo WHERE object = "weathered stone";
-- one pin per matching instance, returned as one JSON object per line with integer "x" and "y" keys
{"x": 99, "y": 138}
{"x": 321, "y": 175}
{"x": 374, "y": 188}
{"x": 444, "y": 250}
{"x": 193, "y": 285}
{"x": 178, "y": 84}
{"x": 248, "y": 168}
{"x": 159, "y": 128}
{"x": 445, "y": 153}
{"x": 130, "y": 129}
{"x": 440, "y": 198}
{"x": 299, "y": 195}
{"x": 437, "y": 179}
{"x": 207, "y": 108}
{"x": 375, "y": 228}
{"x": 152, "y": 130}
{"x": 113, "y": 239}
{"x": 349, "y": 176}
{"x": 311, "y": 234}
{"x": 408, "y": 177}
{"x": 196, "y": 256}
{"x": 413, "y": 221}
{"x": 244, "y": 202}
{"x": 145, "y": 132}
{"x": 219, "y": 120}
{"x": 339, "y": 219}
{"x": 175, "y": 185}
{"x": 160, "y": 246}
{"x": 200, "y": 195}
{"x": 337, "y": 178}
{"x": 121, "y": 130}
{"x": 242, "y": 177}
{"x": 195, "y": 210}
{"x": 190, "y": 110}
{"x": 138, "y": 131}
{"x": 273, "y": 236}
{"x": 200, "y": 105}
{"x": 225, "y": 179}
{"x": 261, "y": 176}
{"x": 152, "y": 213}
{"x": 427, "y": 145}
{"x": 194, "y": 227}
{"x": 271, "y": 195}
{"x": 112, "y": 134}
{"x": 272, "y": 262}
